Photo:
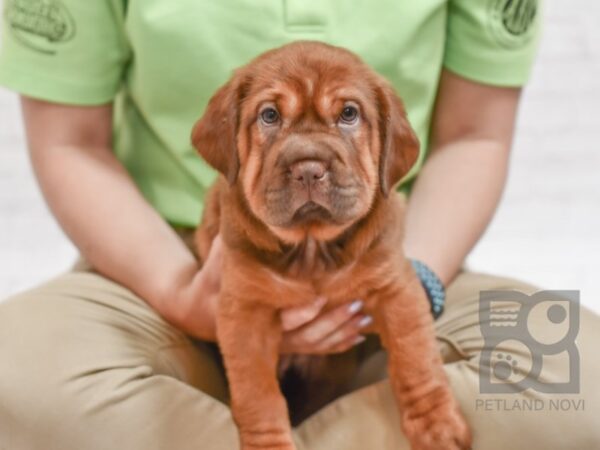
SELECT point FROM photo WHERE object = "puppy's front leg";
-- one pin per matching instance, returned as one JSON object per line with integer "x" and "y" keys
{"x": 249, "y": 337}
{"x": 431, "y": 419}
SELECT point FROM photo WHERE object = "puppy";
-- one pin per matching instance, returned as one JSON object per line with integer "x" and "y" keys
{"x": 310, "y": 143}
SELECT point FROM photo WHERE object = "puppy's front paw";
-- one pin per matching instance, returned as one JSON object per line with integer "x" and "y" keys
{"x": 274, "y": 440}
{"x": 444, "y": 429}
{"x": 269, "y": 447}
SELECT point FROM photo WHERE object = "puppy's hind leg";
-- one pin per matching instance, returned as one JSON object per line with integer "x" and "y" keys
{"x": 249, "y": 338}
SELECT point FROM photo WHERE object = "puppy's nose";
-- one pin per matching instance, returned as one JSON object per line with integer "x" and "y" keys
{"x": 308, "y": 172}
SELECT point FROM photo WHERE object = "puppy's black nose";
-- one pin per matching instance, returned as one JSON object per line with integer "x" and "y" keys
{"x": 308, "y": 171}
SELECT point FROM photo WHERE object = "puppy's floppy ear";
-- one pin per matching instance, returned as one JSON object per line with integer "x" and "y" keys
{"x": 399, "y": 143}
{"x": 215, "y": 134}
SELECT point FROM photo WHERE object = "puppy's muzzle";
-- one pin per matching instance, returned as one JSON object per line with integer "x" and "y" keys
{"x": 309, "y": 183}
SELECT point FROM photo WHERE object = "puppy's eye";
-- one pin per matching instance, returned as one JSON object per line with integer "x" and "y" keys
{"x": 349, "y": 115}
{"x": 269, "y": 116}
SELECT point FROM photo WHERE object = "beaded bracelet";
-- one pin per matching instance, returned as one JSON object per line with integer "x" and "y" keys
{"x": 433, "y": 287}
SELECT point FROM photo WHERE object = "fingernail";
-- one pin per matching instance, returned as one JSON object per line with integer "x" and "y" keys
{"x": 355, "y": 306}
{"x": 359, "y": 339}
{"x": 365, "y": 321}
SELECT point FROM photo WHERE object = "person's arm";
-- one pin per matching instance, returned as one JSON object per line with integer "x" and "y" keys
{"x": 101, "y": 210}
{"x": 458, "y": 189}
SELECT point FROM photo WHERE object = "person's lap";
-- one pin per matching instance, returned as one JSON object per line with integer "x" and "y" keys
{"x": 87, "y": 364}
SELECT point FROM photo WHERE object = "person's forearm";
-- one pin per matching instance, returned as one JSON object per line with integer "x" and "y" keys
{"x": 452, "y": 202}
{"x": 104, "y": 214}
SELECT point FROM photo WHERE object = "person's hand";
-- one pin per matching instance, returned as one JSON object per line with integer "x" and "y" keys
{"x": 194, "y": 299}
{"x": 308, "y": 330}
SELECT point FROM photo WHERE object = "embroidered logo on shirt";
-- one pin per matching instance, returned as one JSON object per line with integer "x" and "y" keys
{"x": 512, "y": 21}
{"x": 39, "y": 24}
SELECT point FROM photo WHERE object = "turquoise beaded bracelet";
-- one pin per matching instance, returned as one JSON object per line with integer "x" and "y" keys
{"x": 433, "y": 287}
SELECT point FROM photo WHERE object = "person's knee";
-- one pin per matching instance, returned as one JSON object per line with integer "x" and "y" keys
{"x": 75, "y": 371}
{"x": 562, "y": 404}
{"x": 74, "y": 347}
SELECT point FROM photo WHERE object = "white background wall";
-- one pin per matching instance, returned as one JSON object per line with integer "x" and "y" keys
{"x": 546, "y": 231}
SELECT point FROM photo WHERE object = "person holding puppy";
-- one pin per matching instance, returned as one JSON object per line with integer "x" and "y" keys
{"x": 120, "y": 350}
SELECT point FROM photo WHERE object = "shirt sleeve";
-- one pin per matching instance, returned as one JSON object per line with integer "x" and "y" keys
{"x": 493, "y": 41}
{"x": 66, "y": 51}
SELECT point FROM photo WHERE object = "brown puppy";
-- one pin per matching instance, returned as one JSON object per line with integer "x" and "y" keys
{"x": 311, "y": 143}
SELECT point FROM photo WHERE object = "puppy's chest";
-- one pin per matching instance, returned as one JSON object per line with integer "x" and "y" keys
{"x": 312, "y": 259}
{"x": 320, "y": 268}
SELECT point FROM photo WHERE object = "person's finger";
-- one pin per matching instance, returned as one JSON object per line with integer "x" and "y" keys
{"x": 346, "y": 333}
{"x": 216, "y": 248}
{"x": 345, "y": 345}
{"x": 292, "y": 318}
{"x": 211, "y": 269}
{"x": 317, "y": 330}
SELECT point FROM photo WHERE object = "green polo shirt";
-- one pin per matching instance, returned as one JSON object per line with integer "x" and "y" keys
{"x": 160, "y": 61}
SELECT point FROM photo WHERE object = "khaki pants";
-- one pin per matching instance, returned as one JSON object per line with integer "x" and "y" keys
{"x": 87, "y": 365}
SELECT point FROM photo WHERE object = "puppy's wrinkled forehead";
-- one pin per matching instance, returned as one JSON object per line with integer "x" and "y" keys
{"x": 308, "y": 81}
